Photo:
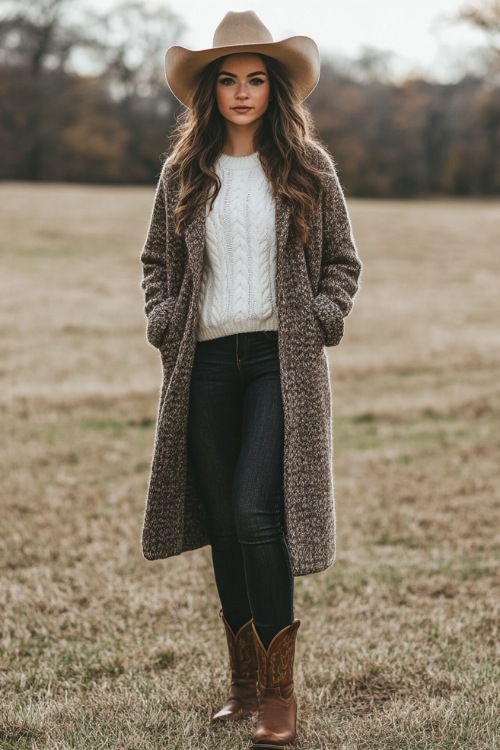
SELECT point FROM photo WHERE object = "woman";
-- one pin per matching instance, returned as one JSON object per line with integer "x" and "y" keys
{"x": 249, "y": 269}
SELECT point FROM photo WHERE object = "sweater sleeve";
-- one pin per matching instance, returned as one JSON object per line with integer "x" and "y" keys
{"x": 158, "y": 304}
{"x": 340, "y": 266}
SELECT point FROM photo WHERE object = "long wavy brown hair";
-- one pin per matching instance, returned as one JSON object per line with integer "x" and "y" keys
{"x": 281, "y": 140}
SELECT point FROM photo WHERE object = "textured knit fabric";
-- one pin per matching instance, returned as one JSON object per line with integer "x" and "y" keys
{"x": 238, "y": 281}
{"x": 315, "y": 287}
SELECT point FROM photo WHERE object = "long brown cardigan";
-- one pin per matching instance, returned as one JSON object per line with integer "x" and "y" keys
{"x": 315, "y": 287}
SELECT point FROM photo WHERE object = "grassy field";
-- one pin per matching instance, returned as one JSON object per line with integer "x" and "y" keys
{"x": 99, "y": 648}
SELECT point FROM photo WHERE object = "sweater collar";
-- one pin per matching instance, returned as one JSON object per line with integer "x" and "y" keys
{"x": 238, "y": 162}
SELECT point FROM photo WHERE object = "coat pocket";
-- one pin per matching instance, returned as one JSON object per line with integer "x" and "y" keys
{"x": 329, "y": 319}
{"x": 159, "y": 320}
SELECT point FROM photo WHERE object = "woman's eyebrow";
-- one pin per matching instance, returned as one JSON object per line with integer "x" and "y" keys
{"x": 249, "y": 75}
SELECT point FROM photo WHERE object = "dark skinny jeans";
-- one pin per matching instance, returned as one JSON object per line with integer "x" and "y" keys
{"x": 236, "y": 444}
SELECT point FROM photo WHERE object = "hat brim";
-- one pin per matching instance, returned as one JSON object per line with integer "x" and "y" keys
{"x": 299, "y": 55}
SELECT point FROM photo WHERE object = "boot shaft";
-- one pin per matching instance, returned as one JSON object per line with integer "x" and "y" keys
{"x": 241, "y": 648}
{"x": 275, "y": 665}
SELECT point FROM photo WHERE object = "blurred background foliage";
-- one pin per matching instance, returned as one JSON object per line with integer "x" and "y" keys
{"x": 83, "y": 99}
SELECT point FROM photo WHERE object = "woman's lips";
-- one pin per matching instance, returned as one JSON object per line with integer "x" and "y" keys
{"x": 242, "y": 110}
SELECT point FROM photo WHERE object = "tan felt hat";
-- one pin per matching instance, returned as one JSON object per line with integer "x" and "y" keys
{"x": 243, "y": 32}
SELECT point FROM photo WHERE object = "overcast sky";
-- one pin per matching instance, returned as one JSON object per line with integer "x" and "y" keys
{"x": 420, "y": 33}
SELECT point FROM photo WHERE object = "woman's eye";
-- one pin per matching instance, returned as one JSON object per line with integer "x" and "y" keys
{"x": 256, "y": 81}
{"x": 225, "y": 81}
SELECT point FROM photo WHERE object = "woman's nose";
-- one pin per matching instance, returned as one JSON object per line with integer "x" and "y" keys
{"x": 241, "y": 92}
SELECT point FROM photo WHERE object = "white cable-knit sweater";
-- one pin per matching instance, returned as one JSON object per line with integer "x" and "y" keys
{"x": 238, "y": 283}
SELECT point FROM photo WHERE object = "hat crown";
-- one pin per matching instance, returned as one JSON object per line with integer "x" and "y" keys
{"x": 241, "y": 28}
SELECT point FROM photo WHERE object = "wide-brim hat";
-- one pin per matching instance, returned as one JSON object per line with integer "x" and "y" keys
{"x": 243, "y": 32}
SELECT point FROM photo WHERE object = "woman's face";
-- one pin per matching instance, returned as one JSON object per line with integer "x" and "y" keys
{"x": 243, "y": 88}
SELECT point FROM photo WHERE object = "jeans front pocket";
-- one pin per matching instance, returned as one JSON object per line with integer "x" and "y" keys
{"x": 273, "y": 335}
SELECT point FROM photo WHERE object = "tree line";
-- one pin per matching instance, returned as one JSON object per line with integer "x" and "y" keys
{"x": 83, "y": 98}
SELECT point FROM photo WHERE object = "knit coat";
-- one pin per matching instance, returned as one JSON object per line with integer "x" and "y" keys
{"x": 315, "y": 287}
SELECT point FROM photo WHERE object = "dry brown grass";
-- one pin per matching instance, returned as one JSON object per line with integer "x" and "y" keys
{"x": 399, "y": 643}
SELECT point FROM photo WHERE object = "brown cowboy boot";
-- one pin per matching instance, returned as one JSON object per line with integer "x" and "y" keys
{"x": 242, "y": 699}
{"x": 276, "y": 725}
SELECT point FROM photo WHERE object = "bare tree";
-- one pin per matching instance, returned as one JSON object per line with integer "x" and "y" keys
{"x": 42, "y": 34}
{"x": 37, "y": 40}
{"x": 485, "y": 16}
{"x": 48, "y": 48}
{"x": 133, "y": 38}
